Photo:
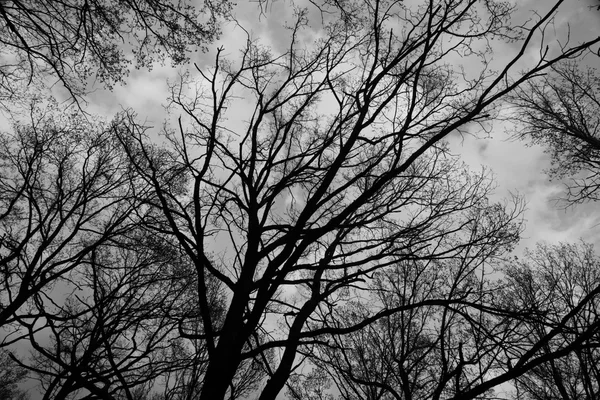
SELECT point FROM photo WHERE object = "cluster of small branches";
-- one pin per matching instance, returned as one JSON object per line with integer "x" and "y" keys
{"x": 70, "y": 41}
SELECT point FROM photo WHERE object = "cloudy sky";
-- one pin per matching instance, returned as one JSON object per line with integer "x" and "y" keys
{"x": 518, "y": 168}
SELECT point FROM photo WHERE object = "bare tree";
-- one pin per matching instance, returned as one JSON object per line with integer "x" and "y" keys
{"x": 338, "y": 174}
{"x": 542, "y": 313}
{"x": 65, "y": 190}
{"x": 329, "y": 228}
{"x": 11, "y": 374}
{"x": 562, "y": 284}
{"x": 113, "y": 335}
{"x": 73, "y": 40}
{"x": 561, "y": 111}
{"x": 98, "y": 300}
{"x": 446, "y": 339}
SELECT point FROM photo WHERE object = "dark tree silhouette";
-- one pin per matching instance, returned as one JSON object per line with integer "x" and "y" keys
{"x": 561, "y": 111}
{"x": 562, "y": 284}
{"x": 541, "y": 317}
{"x": 65, "y": 190}
{"x": 73, "y": 40}
{"x": 112, "y": 336}
{"x": 326, "y": 238}
{"x": 447, "y": 338}
{"x": 338, "y": 174}
{"x": 10, "y": 376}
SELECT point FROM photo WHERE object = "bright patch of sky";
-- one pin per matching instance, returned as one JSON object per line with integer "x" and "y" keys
{"x": 519, "y": 168}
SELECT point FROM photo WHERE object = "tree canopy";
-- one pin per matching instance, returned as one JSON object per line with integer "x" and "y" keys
{"x": 71, "y": 41}
{"x": 561, "y": 111}
{"x": 300, "y": 227}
